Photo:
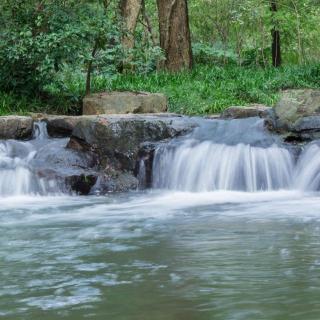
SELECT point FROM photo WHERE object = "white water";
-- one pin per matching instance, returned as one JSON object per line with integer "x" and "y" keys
{"x": 17, "y": 175}
{"x": 208, "y": 166}
{"x": 307, "y": 173}
{"x": 178, "y": 254}
{"x": 201, "y": 164}
{"x": 220, "y": 155}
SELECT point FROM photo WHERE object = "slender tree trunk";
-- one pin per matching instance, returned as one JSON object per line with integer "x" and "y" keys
{"x": 89, "y": 68}
{"x": 147, "y": 23}
{"x": 301, "y": 55}
{"x": 276, "y": 48}
{"x": 130, "y": 10}
{"x": 175, "y": 34}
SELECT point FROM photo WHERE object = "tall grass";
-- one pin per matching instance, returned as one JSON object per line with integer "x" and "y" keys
{"x": 204, "y": 90}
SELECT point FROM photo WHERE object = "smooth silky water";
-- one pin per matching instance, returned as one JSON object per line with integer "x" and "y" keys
{"x": 230, "y": 230}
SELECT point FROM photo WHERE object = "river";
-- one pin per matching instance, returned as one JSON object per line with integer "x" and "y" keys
{"x": 161, "y": 255}
{"x": 229, "y": 231}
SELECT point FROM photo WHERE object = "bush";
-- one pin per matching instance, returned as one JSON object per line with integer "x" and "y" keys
{"x": 204, "y": 53}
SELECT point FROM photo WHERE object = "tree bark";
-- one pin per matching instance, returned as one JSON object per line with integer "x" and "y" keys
{"x": 276, "y": 48}
{"x": 89, "y": 68}
{"x": 130, "y": 10}
{"x": 175, "y": 34}
{"x": 147, "y": 23}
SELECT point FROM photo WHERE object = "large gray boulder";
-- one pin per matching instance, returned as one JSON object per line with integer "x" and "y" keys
{"x": 297, "y": 115}
{"x": 16, "y": 127}
{"x": 295, "y": 105}
{"x": 117, "y": 139}
{"x": 124, "y": 102}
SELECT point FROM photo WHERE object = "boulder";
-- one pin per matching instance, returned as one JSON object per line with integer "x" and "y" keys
{"x": 73, "y": 170}
{"x": 116, "y": 140}
{"x": 124, "y": 102}
{"x": 240, "y": 112}
{"x": 297, "y": 116}
{"x": 61, "y": 126}
{"x": 295, "y": 105}
{"x": 16, "y": 127}
{"x": 58, "y": 126}
{"x": 115, "y": 181}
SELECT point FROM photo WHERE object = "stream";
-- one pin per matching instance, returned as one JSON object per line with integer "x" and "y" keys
{"x": 230, "y": 230}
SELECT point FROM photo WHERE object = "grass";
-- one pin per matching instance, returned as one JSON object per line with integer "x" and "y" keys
{"x": 204, "y": 90}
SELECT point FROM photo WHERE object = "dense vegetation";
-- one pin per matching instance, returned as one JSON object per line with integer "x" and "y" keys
{"x": 50, "y": 50}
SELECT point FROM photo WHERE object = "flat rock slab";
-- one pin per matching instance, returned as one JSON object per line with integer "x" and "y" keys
{"x": 16, "y": 127}
{"x": 62, "y": 126}
{"x": 124, "y": 102}
{"x": 241, "y": 112}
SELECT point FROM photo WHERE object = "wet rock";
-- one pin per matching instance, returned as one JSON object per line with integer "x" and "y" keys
{"x": 306, "y": 124}
{"x": 295, "y": 105}
{"x": 115, "y": 181}
{"x": 81, "y": 184}
{"x": 304, "y": 130}
{"x": 146, "y": 157}
{"x": 73, "y": 170}
{"x": 297, "y": 116}
{"x": 116, "y": 140}
{"x": 61, "y": 126}
{"x": 16, "y": 127}
{"x": 124, "y": 102}
{"x": 239, "y": 112}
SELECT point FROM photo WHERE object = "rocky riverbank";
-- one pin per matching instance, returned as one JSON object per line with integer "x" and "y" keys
{"x": 95, "y": 154}
{"x": 102, "y": 152}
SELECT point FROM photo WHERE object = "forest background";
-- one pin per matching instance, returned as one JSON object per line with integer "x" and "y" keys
{"x": 205, "y": 55}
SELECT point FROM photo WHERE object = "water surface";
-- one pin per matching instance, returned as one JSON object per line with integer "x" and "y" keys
{"x": 161, "y": 255}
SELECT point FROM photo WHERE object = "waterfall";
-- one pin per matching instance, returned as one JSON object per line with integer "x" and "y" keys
{"x": 209, "y": 166}
{"x": 237, "y": 155}
{"x": 40, "y": 131}
{"x": 17, "y": 176}
{"x": 307, "y": 173}
{"x": 142, "y": 174}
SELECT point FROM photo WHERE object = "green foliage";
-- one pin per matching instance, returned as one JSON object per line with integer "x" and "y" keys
{"x": 205, "y": 90}
{"x": 244, "y": 27}
{"x": 205, "y": 53}
{"x": 210, "y": 89}
{"x": 33, "y": 42}
{"x": 41, "y": 40}
{"x": 48, "y": 46}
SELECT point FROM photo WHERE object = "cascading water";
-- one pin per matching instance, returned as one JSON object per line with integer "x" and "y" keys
{"x": 176, "y": 255}
{"x": 307, "y": 173}
{"x": 238, "y": 155}
{"x": 17, "y": 176}
{"x": 208, "y": 166}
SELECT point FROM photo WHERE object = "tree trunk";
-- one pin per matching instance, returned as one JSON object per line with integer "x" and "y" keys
{"x": 89, "y": 68}
{"x": 148, "y": 24}
{"x": 175, "y": 34}
{"x": 130, "y": 10}
{"x": 276, "y": 48}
